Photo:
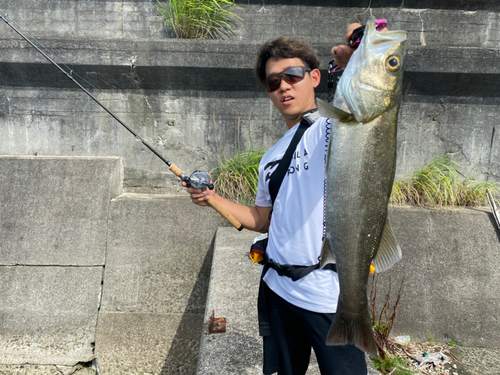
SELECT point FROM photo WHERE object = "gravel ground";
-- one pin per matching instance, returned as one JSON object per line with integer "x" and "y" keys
{"x": 463, "y": 361}
{"x": 436, "y": 359}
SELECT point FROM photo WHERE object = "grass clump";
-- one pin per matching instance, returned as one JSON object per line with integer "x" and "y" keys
{"x": 440, "y": 184}
{"x": 237, "y": 178}
{"x": 393, "y": 365}
{"x": 198, "y": 19}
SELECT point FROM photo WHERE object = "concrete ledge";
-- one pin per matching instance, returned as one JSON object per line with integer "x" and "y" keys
{"x": 458, "y": 44}
{"x": 450, "y": 264}
{"x": 417, "y": 4}
{"x": 232, "y": 294}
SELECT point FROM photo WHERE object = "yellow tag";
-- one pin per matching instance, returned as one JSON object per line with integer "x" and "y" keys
{"x": 256, "y": 256}
{"x": 372, "y": 268}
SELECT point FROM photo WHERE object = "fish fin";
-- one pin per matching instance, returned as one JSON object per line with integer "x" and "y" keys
{"x": 389, "y": 252}
{"x": 357, "y": 332}
{"x": 326, "y": 254}
{"x": 329, "y": 111}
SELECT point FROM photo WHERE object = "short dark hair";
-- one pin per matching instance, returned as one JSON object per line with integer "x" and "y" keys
{"x": 285, "y": 47}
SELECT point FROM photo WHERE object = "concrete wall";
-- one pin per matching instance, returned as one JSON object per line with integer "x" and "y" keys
{"x": 53, "y": 230}
{"x": 87, "y": 272}
{"x": 192, "y": 100}
{"x": 450, "y": 268}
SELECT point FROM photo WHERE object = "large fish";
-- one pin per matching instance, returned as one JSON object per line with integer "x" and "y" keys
{"x": 360, "y": 169}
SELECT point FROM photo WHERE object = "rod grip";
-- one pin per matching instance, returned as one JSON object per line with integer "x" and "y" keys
{"x": 226, "y": 215}
{"x": 175, "y": 169}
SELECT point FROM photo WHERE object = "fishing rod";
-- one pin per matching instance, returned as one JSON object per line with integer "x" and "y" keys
{"x": 197, "y": 180}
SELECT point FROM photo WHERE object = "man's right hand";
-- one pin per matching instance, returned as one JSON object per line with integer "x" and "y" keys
{"x": 199, "y": 196}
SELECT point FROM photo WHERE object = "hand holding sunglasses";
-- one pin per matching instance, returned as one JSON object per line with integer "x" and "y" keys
{"x": 290, "y": 75}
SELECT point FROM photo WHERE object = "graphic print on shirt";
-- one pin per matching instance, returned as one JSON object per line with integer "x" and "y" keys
{"x": 299, "y": 162}
{"x": 270, "y": 166}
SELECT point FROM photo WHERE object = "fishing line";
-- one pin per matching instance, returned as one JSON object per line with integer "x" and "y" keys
{"x": 367, "y": 9}
{"x": 42, "y": 46}
{"x": 197, "y": 179}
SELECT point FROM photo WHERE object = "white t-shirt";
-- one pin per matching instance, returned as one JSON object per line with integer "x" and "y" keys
{"x": 296, "y": 230}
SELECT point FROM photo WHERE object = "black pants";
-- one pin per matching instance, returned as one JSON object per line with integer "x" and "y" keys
{"x": 294, "y": 331}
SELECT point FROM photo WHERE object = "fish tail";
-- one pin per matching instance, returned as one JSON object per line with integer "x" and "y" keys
{"x": 357, "y": 332}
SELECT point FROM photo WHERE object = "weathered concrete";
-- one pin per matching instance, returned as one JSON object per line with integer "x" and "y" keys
{"x": 53, "y": 231}
{"x": 45, "y": 370}
{"x": 195, "y": 99}
{"x": 54, "y": 210}
{"x": 48, "y": 315}
{"x": 192, "y": 100}
{"x": 476, "y": 361}
{"x": 156, "y": 281}
{"x": 450, "y": 292}
{"x": 234, "y": 285}
{"x": 450, "y": 265}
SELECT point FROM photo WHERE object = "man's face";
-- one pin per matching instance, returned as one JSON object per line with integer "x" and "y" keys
{"x": 292, "y": 100}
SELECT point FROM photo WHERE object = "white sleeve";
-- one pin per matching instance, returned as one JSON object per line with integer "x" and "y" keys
{"x": 263, "y": 198}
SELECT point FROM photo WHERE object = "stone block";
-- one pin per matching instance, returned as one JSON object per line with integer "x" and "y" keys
{"x": 159, "y": 254}
{"x": 48, "y": 315}
{"x": 450, "y": 267}
{"x": 54, "y": 209}
{"x": 156, "y": 281}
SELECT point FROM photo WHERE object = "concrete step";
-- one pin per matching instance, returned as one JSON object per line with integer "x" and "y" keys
{"x": 155, "y": 284}
{"x": 234, "y": 284}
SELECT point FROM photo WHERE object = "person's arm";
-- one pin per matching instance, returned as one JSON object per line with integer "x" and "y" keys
{"x": 342, "y": 53}
{"x": 253, "y": 218}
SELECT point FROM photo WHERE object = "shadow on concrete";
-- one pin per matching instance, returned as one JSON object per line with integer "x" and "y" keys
{"x": 494, "y": 224}
{"x": 182, "y": 359}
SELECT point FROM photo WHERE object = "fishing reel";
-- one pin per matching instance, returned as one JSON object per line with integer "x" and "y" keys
{"x": 199, "y": 180}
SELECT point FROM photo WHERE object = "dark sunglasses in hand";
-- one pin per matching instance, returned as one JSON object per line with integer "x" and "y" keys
{"x": 292, "y": 75}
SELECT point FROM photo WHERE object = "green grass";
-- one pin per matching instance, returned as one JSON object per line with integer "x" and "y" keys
{"x": 237, "y": 178}
{"x": 441, "y": 184}
{"x": 430, "y": 337}
{"x": 198, "y": 19}
{"x": 438, "y": 184}
{"x": 393, "y": 365}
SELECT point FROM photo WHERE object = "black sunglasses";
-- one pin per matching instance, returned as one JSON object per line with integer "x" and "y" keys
{"x": 292, "y": 75}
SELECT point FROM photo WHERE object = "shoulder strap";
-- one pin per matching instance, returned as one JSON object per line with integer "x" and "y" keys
{"x": 308, "y": 118}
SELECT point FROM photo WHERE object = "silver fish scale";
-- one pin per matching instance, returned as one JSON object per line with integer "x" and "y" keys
{"x": 357, "y": 196}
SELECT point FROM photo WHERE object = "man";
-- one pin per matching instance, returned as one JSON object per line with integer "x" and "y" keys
{"x": 298, "y": 313}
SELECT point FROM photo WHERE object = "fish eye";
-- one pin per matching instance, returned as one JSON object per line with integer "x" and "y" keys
{"x": 393, "y": 63}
